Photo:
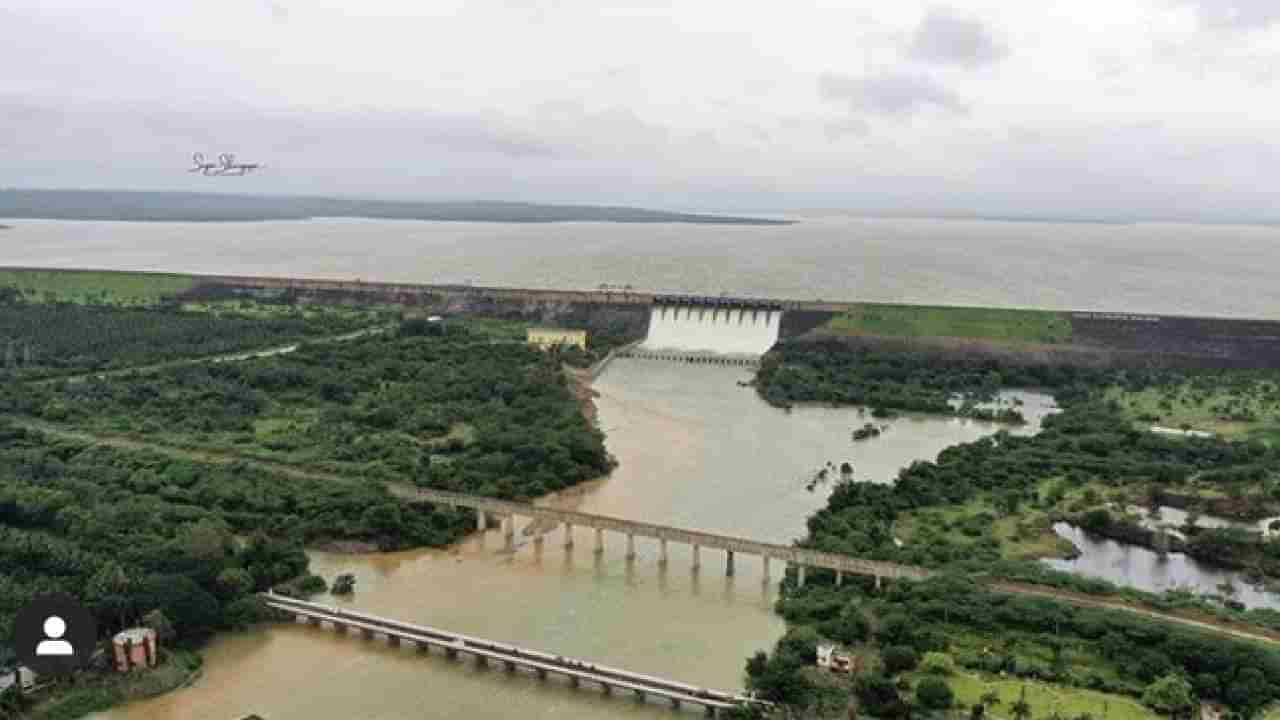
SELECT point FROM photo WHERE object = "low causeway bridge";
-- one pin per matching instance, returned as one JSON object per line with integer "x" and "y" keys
{"x": 510, "y": 657}
{"x": 797, "y": 557}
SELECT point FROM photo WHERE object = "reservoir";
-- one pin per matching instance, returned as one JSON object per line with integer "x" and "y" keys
{"x": 694, "y": 450}
{"x": 1140, "y": 267}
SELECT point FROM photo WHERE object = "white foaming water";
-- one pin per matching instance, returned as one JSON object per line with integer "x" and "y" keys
{"x": 726, "y": 331}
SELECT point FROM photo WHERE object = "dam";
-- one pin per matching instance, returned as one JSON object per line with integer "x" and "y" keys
{"x": 710, "y": 330}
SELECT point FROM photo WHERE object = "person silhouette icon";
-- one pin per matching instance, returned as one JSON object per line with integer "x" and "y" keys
{"x": 54, "y": 628}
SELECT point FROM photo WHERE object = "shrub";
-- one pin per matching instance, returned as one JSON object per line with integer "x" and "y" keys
{"x": 898, "y": 658}
{"x": 938, "y": 663}
{"x": 933, "y": 693}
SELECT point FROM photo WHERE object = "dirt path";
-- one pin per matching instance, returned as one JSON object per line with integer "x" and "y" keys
{"x": 1206, "y": 624}
{"x": 226, "y": 357}
{"x": 1199, "y": 622}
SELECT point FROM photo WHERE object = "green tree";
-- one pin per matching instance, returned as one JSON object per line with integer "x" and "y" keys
{"x": 933, "y": 693}
{"x": 898, "y": 658}
{"x": 1170, "y": 695}
{"x": 938, "y": 663}
{"x": 156, "y": 620}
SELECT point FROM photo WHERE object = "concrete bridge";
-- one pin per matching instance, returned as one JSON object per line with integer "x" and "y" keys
{"x": 694, "y": 358}
{"x": 799, "y": 558}
{"x": 510, "y": 657}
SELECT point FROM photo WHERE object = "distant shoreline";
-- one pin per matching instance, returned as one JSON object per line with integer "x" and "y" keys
{"x": 138, "y": 206}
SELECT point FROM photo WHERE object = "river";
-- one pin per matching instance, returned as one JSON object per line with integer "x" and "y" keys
{"x": 1144, "y": 267}
{"x": 691, "y": 451}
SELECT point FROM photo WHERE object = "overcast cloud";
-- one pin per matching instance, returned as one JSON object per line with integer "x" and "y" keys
{"x": 1143, "y": 108}
{"x": 947, "y": 36}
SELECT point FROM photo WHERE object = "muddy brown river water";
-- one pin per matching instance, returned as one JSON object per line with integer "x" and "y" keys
{"x": 694, "y": 449}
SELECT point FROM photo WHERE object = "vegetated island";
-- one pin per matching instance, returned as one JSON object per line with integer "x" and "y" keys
{"x": 135, "y": 206}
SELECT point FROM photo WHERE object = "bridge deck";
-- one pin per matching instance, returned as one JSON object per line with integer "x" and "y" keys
{"x": 602, "y": 675}
{"x": 785, "y": 553}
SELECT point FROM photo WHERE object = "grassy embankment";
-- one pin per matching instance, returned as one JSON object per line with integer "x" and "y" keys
{"x": 95, "y": 287}
{"x": 1046, "y": 700}
{"x": 916, "y": 321}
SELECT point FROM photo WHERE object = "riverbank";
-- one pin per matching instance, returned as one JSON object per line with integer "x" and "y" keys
{"x": 94, "y": 691}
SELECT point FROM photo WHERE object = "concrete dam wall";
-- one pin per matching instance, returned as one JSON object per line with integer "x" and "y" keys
{"x": 713, "y": 330}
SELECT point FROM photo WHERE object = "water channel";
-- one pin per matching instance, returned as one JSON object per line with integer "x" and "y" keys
{"x": 695, "y": 449}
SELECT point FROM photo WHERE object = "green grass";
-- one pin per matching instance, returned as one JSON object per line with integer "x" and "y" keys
{"x": 1220, "y": 411}
{"x": 498, "y": 328}
{"x": 1045, "y": 699}
{"x": 1019, "y": 326}
{"x": 102, "y": 287}
{"x": 1026, "y": 535}
{"x": 105, "y": 690}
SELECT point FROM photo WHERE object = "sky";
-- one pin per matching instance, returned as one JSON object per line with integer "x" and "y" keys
{"x": 1154, "y": 109}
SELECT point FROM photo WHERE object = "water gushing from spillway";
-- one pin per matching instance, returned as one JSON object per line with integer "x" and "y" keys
{"x": 725, "y": 331}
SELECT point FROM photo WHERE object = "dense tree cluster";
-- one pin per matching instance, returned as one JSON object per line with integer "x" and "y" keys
{"x": 1033, "y": 638}
{"x": 921, "y": 381}
{"x": 42, "y": 340}
{"x": 131, "y": 532}
{"x": 447, "y": 410}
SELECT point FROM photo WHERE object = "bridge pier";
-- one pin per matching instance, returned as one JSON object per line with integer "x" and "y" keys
{"x": 877, "y": 583}
{"x": 482, "y": 521}
{"x": 728, "y": 564}
{"x": 639, "y": 695}
{"x": 541, "y": 673}
{"x": 766, "y": 569}
{"x": 631, "y": 546}
{"x": 422, "y": 647}
{"x": 451, "y": 653}
{"x": 568, "y": 535}
{"x": 662, "y": 551}
{"x": 510, "y": 666}
{"x": 697, "y": 561}
{"x": 607, "y": 688}
{"x": 599, "y": 541}
{"x": 482, "y": 661}
{"x": 839, "y": 578}
{"x": 574, "y": 681}
{"x": 366, "y": 633}
{"x": 393, "y": 640}
{"x": 800, "y": 576}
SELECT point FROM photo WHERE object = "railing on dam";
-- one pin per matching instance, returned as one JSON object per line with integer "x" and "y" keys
{"x": 511, "y": 656}
{"x": 798, "y": 557}
{"x": 692, "y": 358}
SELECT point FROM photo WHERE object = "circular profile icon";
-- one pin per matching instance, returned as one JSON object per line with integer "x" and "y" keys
{"x": 54, "y": 635}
